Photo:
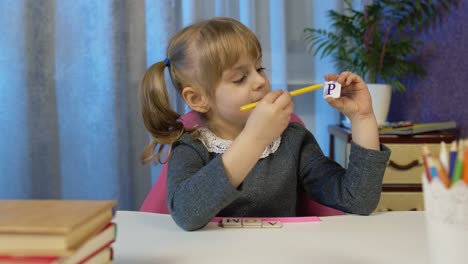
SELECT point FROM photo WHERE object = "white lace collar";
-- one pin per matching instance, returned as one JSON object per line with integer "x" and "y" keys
{"x": 218, "y": 145}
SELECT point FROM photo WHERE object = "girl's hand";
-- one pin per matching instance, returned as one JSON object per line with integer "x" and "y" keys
{"x": 264, "y": 124}
{"x": 355, "y": 101}
{"x": 271, "y": 117}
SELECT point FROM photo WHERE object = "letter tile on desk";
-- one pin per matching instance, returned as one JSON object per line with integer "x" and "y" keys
{"x": 252, "y": 222}
{"x": 277, "y": 222}
{"x": 231, "y": 222}
{"x": 271, "y": 224}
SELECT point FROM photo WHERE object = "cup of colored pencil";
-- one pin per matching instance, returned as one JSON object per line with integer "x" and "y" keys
{"x": 445, "y": 188}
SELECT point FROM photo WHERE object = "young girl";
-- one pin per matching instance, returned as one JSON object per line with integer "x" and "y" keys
{"x": 250, "y": 163}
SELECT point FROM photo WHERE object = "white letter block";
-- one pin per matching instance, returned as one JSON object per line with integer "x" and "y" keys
{"x": 252, "y": 222}
{"x": 332, "y": 89}
{"x": 232, "y": 222}
{"x": 271, "y": 224}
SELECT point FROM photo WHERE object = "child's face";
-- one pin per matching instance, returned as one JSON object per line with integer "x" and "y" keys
{"x": 244, "y": 83}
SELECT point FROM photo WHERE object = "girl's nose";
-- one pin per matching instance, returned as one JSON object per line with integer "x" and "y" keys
{"x": 260, "y": 81}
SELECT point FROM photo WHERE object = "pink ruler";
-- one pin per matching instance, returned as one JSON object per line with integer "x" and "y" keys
{"x": 304, "y": 219}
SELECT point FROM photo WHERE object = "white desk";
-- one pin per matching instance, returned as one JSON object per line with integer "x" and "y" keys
{"x": 393, "y": 237}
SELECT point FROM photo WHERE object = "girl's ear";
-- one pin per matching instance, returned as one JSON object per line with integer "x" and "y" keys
{"x": 195, "y": 99}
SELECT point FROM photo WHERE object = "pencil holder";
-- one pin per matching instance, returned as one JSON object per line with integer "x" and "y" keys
{"x": 446, "y": 221}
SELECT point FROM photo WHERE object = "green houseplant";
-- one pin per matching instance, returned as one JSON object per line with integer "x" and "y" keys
{"x": 377, "y": 42}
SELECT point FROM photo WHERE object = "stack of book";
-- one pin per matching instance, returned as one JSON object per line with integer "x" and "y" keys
{"x": 56, "y": 231}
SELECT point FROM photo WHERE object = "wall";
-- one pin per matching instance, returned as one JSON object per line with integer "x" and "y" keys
{"x": 442, "y": 94}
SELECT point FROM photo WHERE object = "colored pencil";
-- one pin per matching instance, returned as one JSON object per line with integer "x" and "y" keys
{"x": 426, "y": 154}
{"x": 453, "y": 157}
{"x": 292, "y": 93}
{"x": 441, "y": 172}
{"x": 444, "y": 156}
{"x": 457, "y": 172}
{"x": 465, "y": 163}
{"x": 432, "y": 168}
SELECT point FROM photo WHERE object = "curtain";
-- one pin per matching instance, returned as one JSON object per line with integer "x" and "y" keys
{"x": 70, "y": 123}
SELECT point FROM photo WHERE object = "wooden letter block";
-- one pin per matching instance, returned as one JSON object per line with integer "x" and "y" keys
{"x": 249, "y": 223}
{"x": 252, "y": 222}
{"x": 232, "y": 222}
{"x": 332, "y": 89}
{"x": 271, "y": 224}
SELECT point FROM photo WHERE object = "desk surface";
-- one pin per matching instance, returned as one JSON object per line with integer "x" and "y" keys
{"x": 390, "y": 237}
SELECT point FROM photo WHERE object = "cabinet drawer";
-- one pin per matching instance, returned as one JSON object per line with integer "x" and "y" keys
{"x": 405, "y": 165}
{"x": 401, "y": 201}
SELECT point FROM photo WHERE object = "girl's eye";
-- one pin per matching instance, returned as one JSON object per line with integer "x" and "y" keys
{"x": 240, "y": 80}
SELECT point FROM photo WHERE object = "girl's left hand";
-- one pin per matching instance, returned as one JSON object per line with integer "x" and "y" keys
{"x": 355, "y": 100}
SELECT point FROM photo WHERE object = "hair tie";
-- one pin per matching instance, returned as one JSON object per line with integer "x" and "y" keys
{"x": 168, "y": 62}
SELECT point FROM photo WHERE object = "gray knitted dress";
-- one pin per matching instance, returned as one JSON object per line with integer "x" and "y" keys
{"x": 198, "y": 188}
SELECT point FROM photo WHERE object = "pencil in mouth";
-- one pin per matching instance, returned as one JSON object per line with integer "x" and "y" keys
{"x": 292, "y": 93}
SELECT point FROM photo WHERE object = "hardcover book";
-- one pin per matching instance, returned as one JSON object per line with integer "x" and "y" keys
{"x": 50, "y": 227}
{"x": 96, "y": 248}
{"x": 418, "y": 128}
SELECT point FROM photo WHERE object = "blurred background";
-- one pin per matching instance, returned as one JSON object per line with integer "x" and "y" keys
{"x": 70, "y": 124}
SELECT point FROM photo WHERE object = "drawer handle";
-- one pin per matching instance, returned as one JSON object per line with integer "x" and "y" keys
{"x": 408, "y": 166}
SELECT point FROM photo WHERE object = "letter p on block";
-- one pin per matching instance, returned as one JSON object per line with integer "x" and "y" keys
{"x": 332, "y": 89}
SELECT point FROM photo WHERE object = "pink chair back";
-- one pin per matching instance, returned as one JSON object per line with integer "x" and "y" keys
{"x": 156, "y": 200}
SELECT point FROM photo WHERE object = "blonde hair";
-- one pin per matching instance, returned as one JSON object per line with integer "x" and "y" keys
{"x": 198, "y": 55}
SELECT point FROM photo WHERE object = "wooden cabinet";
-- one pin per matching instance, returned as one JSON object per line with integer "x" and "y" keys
{"x": 402, "y": 190}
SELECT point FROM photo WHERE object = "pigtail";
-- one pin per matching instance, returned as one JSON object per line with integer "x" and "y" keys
{"x": 159, "y": 118}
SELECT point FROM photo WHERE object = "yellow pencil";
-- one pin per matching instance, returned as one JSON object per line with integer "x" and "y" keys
{"x": 292, "y": 93}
